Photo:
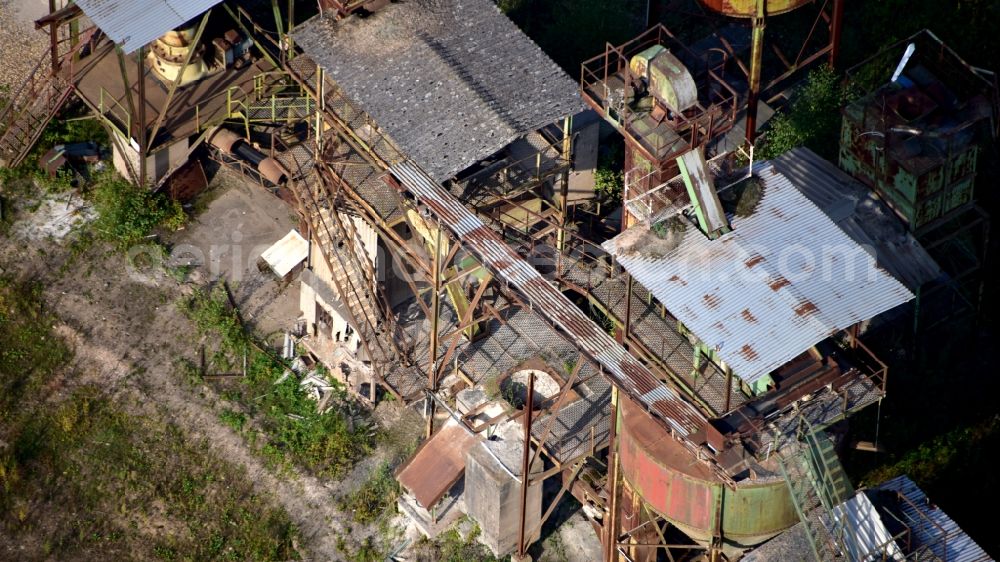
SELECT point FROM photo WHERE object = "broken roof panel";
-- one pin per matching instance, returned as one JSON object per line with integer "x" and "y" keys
{"x": 783, "y": 280}
{"x": 286, "y": 254}
{"x": 450, "y": 81}
{"x": 134, "y": 23}
{"x": 861, "y": 215}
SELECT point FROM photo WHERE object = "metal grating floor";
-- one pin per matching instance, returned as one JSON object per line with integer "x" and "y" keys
{"x": 657, "y": 333}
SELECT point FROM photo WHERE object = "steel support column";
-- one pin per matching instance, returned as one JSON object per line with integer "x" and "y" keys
{"x": 756, "y": 61}
{"x": 836, "y": 28}
{"x": 611, "y": 513}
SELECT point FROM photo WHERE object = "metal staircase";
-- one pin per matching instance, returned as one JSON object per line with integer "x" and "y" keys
{"x": 353, "y": 275}
{"x": 35, "y": 103}
{"x": 29, "y": 111}
{"x": 817, "y": 483}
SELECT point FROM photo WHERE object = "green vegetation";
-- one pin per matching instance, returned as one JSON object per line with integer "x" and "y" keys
{"x": 450, "y": 546}
{"x": 80, "y": 478}
{"x": 293, "y": 431}
{"x": 672, "y": 225}
{"x": 813, "y": 119}
{"x": 374, "y": 499}
{"x": 608, "y": 183}
{"x": 128, "y": 213}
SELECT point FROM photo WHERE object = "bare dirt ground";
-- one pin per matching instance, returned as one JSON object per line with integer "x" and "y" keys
{"x": 129, "y": 334}
{"x": 22, "y": 45}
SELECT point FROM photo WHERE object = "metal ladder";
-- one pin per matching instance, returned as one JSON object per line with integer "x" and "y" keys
{"x": 353, "y": 276}
{"x": 817, "y": 484}
{"x": 33, "y": 105}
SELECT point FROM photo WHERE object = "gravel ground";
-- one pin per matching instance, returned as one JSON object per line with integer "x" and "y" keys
{"x": 20, "y": 44}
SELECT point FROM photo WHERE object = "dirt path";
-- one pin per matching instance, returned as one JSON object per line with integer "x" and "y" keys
{"x": 128, "y": 336}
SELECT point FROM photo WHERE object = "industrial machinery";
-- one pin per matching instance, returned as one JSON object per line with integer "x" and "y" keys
{"x": 175, "y": 53}
{"x": 235, "y": 147}
{"x": 668, "y": 102}
{"x": 180, "y": 53}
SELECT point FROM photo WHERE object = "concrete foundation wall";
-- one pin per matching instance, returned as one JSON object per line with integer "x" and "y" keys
{"x": 125, "y": 155}
{"x": 493, "y": 496}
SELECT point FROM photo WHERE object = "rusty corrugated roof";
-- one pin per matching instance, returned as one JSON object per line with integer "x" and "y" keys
{"x": 438, "y": 464}
{"x": 783, "y": 280}
{"x": 624, "y": 370}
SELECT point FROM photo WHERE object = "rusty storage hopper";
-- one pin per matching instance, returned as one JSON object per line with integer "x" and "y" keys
{"x": 747, "y": 8}
{"x": 689, "y": 496}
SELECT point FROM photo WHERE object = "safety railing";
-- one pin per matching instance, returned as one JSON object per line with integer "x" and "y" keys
{"x": 714, "y": 114}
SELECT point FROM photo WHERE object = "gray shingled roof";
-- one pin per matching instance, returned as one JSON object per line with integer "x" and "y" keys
{"x": 450, "y": 81}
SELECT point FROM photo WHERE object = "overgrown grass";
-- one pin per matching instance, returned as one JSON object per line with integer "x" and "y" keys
{"x": 293, "y": 431}
{"x": 82, "y": 479}
{"x": 451, "y": 546}
{"x": 374, "y": 498}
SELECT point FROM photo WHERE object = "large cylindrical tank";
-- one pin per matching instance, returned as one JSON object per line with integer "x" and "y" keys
{"x": 686, "y": 493}
{"x": 748, "y": 8}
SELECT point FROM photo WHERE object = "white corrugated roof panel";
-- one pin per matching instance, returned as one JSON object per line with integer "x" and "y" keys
{"x": 866, "y": 537}
{"x": 134, "y": 23}
{"x": 285, "y": 254}
{"x": 783, "y": 280}
{"x": 931, "y": 527}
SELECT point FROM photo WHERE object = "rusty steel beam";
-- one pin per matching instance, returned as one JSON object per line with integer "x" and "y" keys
{"x": 464, "y": 322}
{"x": 143, "y": 139}
{"x": 611, "y": 509}
{"x": 836, "y": 25}
{"x": 557, "y": 407}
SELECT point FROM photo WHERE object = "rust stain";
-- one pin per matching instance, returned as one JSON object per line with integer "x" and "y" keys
{"x": 754, "y": 260}
{"x": 806, "y": 308}
{"x": 712, "y": 301}
{"x": 748, "y": 316}
{"x": 779, "y": 283}
{"x": 676, "y": 278}
{"x": 748, "y": 352}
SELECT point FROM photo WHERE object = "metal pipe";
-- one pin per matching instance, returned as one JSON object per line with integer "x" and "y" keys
{"x": 143, "y": 141}
{"x": 525, "y": 465}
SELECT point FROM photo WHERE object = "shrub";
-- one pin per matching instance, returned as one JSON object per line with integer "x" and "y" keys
{"x": 812, "y": 120}
{"x": 608, "y": 183}
{"x": 128, "y": 213}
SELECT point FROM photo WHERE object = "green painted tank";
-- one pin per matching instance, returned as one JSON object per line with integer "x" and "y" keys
{"x": 747, "y": 8}
{"x": 687, "y": 494}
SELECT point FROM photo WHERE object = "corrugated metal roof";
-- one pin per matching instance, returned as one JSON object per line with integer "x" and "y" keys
{"x": 438, "y": 463}
{"x": 861, "y": 215}
{"x": 134, "y": 23}
{"x": 866, "y": 537}
{"x": 930, "y": 525}
{"x": 627, "y": 373}
{"x": 451, "y": 81}
{"x": 782, "y": 281}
